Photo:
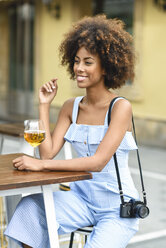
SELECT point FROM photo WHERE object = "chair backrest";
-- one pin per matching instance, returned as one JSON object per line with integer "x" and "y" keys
{"x": 68, "y": 155}
{"x": 67, "y": 150}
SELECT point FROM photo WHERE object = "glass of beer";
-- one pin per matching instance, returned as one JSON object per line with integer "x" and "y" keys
{"x": 34, "y": 133}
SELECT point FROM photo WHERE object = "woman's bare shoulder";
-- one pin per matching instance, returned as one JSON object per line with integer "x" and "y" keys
{"x": 122, "y": 113}
{"x": 67, "y": 108}
{"x": 68, "y": 104}
{"x": 123, "y": 105}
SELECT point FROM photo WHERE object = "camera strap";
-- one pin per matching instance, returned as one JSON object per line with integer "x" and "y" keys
{"x": 116, "y": 162}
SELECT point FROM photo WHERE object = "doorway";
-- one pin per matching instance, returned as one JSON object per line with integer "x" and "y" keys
{"x": 21, "y": 61}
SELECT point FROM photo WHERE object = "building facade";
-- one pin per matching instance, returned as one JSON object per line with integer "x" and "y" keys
{"x": 31, "y": 32}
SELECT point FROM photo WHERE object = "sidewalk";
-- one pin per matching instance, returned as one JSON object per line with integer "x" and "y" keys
{"x": 152, "y": 233}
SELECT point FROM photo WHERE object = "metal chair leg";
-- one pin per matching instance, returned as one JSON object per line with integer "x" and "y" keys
{"x": 71, "y": 240}
{"x": 85, "y": 238}
{"x": 1, "y": 143}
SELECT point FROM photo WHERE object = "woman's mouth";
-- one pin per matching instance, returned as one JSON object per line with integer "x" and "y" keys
{"x": 81, "y": 78}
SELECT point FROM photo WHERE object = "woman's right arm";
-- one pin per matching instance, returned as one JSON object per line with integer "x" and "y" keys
{"x": 53, "y": 142}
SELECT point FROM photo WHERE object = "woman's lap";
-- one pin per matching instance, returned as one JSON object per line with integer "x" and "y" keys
{"x": 111, "y": 233}
{"x": 71, "y": 212}
{"x": 29, "y": 222}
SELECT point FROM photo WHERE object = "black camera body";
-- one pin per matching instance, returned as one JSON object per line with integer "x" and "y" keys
{"x": 134, "y": 209}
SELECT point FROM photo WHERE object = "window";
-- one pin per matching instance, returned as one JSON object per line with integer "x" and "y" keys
{"x": 122, "y": 9}
{"x": 129, "y": 11}
{"x": 21, "y": 64}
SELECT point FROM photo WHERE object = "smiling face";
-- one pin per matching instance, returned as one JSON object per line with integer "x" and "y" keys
{"x": 87, "y": 69}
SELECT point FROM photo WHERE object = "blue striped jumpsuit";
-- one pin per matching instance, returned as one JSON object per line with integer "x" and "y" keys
{"x": 90, "y": 202}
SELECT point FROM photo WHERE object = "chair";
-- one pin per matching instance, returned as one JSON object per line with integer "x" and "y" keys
{"x": 83, "y": 231}
{"x": 65, "y": 187}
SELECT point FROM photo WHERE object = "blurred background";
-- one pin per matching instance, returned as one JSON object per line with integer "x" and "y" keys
{"x": 30, "y": 35}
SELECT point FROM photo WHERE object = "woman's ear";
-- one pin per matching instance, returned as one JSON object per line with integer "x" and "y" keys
{"x": 103, "y": 72}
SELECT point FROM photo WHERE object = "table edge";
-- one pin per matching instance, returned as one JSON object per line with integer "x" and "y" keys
{"x": 46, "y": 182}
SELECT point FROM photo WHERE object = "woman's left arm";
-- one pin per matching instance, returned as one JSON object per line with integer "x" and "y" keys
{"x": 121, "y": 116}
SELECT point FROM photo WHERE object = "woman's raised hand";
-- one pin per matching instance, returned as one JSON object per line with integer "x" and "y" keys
{"x": 48, "y": 91}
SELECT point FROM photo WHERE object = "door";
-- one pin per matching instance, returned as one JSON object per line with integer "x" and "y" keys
{"x": 21, "y": 52}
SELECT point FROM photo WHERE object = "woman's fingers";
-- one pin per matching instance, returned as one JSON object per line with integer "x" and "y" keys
{"x": 47, "y": 87}
{"x": 27, "y": 163}
{"x": 18, "y": 163}
{"x": 16, "y": 160}
{"x": 48, "y": 91}
{"x": 51, "y": 85}
{"x": 21, "y": 167}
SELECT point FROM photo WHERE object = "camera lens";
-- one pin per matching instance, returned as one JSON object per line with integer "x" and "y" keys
{"x": 141, "y": 211}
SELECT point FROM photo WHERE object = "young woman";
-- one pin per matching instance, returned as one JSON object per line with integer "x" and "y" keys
{"x": 99, "y": 55}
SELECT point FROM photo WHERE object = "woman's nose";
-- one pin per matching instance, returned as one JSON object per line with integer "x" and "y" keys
{"x": 80, "y": 67}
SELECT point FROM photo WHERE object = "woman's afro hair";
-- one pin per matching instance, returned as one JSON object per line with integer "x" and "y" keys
{"x": 108, "y": 39}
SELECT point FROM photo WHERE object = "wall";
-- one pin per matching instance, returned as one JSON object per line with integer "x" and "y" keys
{"x": 49, "y": 33}
{"x": 153, "y": 104}
{"x": 150, "y": 109}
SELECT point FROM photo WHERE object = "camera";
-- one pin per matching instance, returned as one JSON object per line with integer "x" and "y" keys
{"x": 134, "y": 209}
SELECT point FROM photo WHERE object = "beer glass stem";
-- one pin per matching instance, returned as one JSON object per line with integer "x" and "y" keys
{"x": 35, "y": 152}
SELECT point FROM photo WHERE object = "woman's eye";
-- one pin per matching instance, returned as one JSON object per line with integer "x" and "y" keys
{"x": 88, "y": 63}
{"x": 76, "y": 61}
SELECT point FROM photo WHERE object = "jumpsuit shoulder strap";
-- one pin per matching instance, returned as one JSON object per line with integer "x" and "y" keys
{"x": 75, "y": 108}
